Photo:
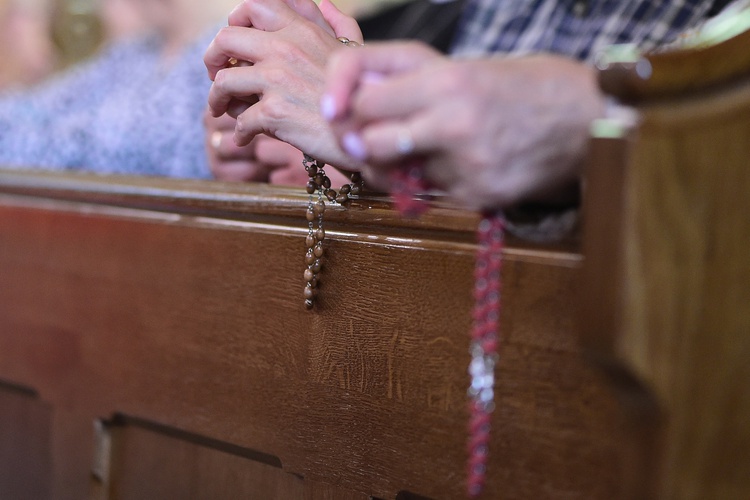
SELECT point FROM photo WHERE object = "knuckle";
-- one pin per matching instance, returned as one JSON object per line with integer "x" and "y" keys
{"x": 275, "y": 76}
{"x": 274, "y": 109}
{"x": 220, "y": 81}
{"x": 221, "y": 38}
{"x": 293, "y": 53}
{"x": 241, "y": 126}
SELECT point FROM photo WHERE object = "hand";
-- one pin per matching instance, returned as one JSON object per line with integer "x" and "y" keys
{"x": 257, "y": 162}
{"x": 286, "y": 45}
{"x": 491, "y": 132}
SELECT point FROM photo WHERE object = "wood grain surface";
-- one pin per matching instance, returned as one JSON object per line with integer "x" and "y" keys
{"x": 671, "y": 322}
{"x": 175, "y": 313}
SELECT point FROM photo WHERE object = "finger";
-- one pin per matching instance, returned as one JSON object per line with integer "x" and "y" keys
{"x": 394, "y": 98}
{"x": 377, "y": 179}
{"x": 392, "y": 141}
{"x": 275, "y": 153}
{"x": 238, "y": 106}
{"x": 234, "y": 83}
{"x": 223, "y": 146}
{"x": 243, "y": 44}
{"x": 249, "y": 125}
{"x": 289, "y": 176}
{"x": 266, "y": 15}
{"x": 240, "y": 171}
{"x": 223, "y": 123}
{"x": 346, "y": 69}
{"x": 342, "y": 24}
{"x": 274, "y": 15}
{"x": 311, "y": 12}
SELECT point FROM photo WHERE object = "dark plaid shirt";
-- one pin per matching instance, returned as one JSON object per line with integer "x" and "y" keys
{"x": 576, "y": 28}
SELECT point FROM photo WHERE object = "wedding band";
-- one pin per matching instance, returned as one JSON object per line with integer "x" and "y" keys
{"x": 347, "y": 42}
{"x": 216, "y": 140}
{"x": 405, "y": 142}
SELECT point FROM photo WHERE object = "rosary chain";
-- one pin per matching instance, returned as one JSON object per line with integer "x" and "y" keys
{"x": 320, "y": 183}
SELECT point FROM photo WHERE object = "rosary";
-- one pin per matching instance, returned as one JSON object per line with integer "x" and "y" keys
{"x": 406, "y": 183}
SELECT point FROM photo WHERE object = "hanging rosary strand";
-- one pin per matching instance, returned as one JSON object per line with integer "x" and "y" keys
{"x": 484, "y": 347}
{"x": 320, "y": 184}
{"x": 407, "y": 182}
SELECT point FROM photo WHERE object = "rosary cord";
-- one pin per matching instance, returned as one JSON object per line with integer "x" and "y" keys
{"x": 406, "y": 183}
{"x": 484, "y": 347}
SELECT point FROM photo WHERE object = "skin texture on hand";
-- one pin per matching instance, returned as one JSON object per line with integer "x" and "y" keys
{"x": 265, "y": 159}
{"x": 491, "y": 132}
{"x": 229, "y": 162}
{"x": 285, "y": 46}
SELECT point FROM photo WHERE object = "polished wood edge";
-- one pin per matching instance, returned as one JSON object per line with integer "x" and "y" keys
{"x": 601, "y": 310}
{"x": 676, "y": 73}
{"x": 253, "y": 203}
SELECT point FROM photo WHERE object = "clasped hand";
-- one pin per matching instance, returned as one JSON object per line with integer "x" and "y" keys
{"x": 283, "y": 47}
{"x": 491, "y": 132}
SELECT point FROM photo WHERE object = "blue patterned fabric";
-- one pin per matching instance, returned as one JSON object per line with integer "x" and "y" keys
{"x": 123, "y": 112}
{"x": 579, "y": 29}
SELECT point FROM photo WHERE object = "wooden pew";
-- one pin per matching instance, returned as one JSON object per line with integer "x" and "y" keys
{"x": 154, "y": 344}
{"x": 666, "y": 285}
{"x": 171, "y": 314}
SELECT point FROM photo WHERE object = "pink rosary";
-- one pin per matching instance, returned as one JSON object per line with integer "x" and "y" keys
{"x": 486, "y": 315}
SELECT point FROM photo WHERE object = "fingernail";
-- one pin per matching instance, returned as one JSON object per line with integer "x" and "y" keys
{"x": 354, "y": 146}
{"x": 328, "y": 107}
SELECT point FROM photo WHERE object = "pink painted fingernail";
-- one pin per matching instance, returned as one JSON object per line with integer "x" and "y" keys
{"x": 328, "y": 107}
{"x": 354, "y": 145}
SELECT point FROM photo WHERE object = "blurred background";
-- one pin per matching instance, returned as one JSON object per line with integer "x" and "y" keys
{"x": 39, "y": 37}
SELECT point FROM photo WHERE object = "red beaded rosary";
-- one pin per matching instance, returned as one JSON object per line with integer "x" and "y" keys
{"x": 406, "y": 183}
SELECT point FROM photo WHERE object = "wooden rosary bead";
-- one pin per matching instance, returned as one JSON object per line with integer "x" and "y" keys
{"x": 309, "y": 258}
{"x": 321, "y": 183}
{"x": 309, "y": 275}
{"x": 318, "y": 251}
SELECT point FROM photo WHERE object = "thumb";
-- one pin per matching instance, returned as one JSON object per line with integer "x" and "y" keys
{"x": 342, "y": 24}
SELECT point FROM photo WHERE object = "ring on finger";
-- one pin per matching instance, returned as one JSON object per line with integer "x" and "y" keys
{"x": 348, "y": 42}
{"x": 216, "y": 140}
{"x": 405, "y": 142}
